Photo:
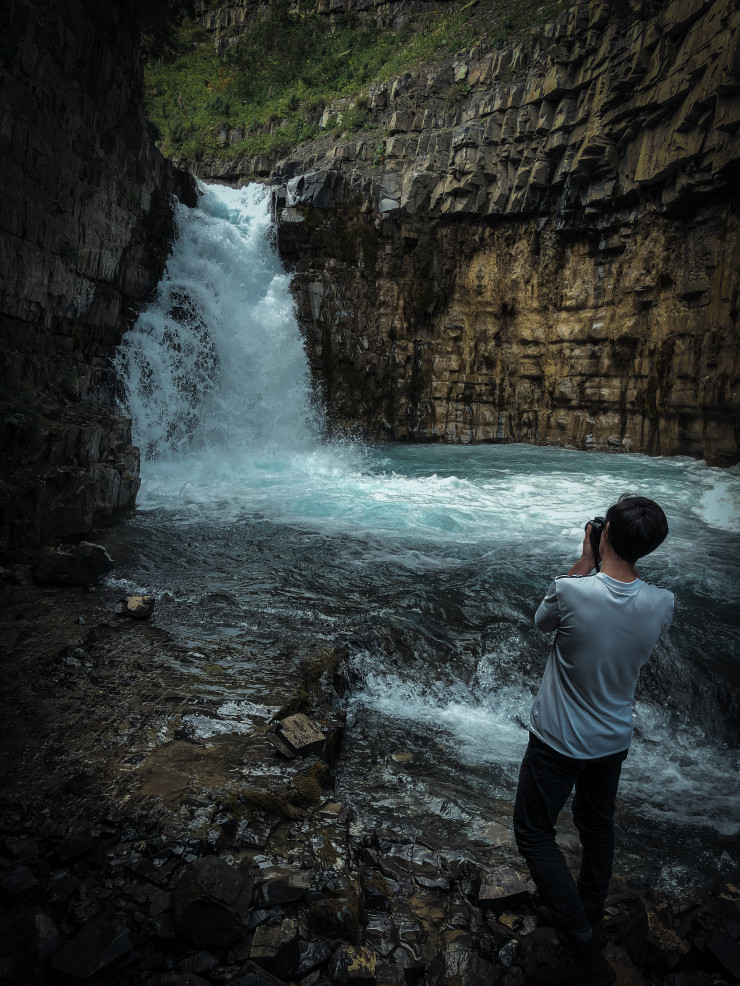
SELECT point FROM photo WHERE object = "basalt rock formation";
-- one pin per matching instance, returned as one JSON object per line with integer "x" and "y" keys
{"x": 533, "y": 243}
{"x": 85, "y": 224}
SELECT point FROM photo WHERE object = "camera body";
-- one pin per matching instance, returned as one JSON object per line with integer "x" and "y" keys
{"x": 597, "y": 526}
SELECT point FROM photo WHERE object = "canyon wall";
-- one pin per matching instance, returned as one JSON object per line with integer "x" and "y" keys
{"x": 85, "y": 225}
{"x": 537, "y": 242}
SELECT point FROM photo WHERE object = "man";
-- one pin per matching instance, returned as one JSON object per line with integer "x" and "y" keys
{"x": 606, "y": 626}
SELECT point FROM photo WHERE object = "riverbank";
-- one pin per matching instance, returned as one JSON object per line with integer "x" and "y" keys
{"x": 137, "y": 849}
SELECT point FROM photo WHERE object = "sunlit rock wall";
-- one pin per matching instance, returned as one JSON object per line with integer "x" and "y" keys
{"x": 535, "y": 243}
{"x": 85, "y": 223}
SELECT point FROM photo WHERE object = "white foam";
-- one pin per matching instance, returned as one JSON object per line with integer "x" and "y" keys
{"x": 217, "y": 361}
{"x": 720, "y": 506}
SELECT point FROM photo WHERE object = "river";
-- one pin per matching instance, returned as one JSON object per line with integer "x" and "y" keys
{"x": 426, "y": 562}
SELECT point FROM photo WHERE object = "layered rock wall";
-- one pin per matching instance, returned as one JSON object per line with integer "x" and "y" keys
{"x": 85, "y": 223}
{"x": 533, "y": 243}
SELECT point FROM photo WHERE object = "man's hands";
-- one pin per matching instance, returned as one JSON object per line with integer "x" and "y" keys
{"x": 587, "y": 562}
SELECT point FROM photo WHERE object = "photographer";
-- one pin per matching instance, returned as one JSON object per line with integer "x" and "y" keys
{"x": 606, "y": 624}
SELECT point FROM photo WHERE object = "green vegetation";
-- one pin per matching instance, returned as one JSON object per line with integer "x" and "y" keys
{"x": 267, "y": 85}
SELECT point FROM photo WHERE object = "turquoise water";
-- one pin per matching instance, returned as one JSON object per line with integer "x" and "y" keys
{"x": 426, "y": 562}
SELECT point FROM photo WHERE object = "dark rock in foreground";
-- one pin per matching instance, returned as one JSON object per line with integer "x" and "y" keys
{"x": 210, "y": 902}
{"x": 81, "y": 564}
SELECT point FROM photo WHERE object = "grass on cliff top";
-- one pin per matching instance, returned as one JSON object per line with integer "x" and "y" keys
{"x": 272, "y": 80}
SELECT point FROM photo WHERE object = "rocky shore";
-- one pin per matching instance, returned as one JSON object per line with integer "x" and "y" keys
{"x": 135, "y": 848}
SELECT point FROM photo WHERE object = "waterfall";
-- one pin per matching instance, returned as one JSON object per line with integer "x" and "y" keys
{"x": 216, "y": 363}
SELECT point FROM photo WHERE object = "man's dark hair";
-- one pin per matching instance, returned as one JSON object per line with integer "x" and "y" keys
{"x": 637, "y": 526}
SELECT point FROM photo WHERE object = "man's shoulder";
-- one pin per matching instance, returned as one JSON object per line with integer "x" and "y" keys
{"x": 658, "y": 592}
{"x": 578, "y": 582}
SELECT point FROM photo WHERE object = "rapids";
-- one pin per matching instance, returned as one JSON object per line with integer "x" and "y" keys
{"x": 427, "y": 562}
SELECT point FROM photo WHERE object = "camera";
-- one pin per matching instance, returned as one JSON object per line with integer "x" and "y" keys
{"x": 597, "y": 526}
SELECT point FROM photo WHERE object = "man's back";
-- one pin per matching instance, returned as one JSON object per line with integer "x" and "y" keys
{"x": 606, "y": 630}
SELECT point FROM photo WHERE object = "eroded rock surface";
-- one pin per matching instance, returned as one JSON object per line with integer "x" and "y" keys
{"x": 85, "y": 224}
{"x": 537, "y": 242}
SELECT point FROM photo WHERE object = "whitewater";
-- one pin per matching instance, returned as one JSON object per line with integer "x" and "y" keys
{"x": 425, "y": 562}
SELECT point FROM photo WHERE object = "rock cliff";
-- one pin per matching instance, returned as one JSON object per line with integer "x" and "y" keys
{"x": 85, "y": 223}
{"x": 537, "y": 242}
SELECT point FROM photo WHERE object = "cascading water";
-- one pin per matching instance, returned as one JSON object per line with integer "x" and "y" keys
{"x": 217, "y": 362}
{"x": 427, "y": 561}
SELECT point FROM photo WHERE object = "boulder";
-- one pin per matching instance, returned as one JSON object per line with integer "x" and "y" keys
{"x": 281, "y": 885}
{"x": 80, "y": 564}
{"x": 337, "y": 917}
{"x": 297, "y": 958}
{"x": 210, "y": 902}
{"x": 18, "y": 885}
{"x": 462, "y": 967}
{"x": 178, "y": 979}
{"x": 504, "y": 886}
{"x": 301, "y": 736}
{"x": 198, "y": 962}
{"x": 97, "y": 945}
{"x": 352, "y": 964}
{"x": 140, "y": 607}
{"x": 271, "y": 941}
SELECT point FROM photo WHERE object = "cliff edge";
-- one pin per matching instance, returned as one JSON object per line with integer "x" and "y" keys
{"x": 85, "y": 225}
{"x": 532, "y": 242}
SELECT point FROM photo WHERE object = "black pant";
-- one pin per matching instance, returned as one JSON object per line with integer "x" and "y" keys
{"x": 546, "y": 778}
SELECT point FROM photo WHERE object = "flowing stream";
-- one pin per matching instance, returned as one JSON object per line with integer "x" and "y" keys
{"x": 427, "y": 562}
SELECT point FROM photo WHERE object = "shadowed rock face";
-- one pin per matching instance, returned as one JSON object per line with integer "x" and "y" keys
{"x": 85, "y": 223}
{"x": 536, "y": 243}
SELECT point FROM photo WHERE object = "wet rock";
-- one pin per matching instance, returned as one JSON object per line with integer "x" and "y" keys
{"x": 631, "y": 928}
{"x": 504, "y": 887}
{"x": 18, "y": 885}
{"x": 97, "y": 945}
{"x": 537, "y": 948}
{"x": 139, "y": 607}
{"x": 377, "y": 892}
{"x": 296, "y": 958}
{"x": 270, "y": 941}
{"x": 333, "y": 724}
{"x": 252, "y": 834}
{"x": 301, "y": 736}
{"x": 23, "y": 849}
{"x": 178, "y": 979}
{"x": 387, "y": 974}
{"x": 30, "y": 936}
{"x": 665, "y": 950}
{"x": 199, "y": 962}
{"x": 44, "y": 937}
{"x": 75, "y": 845}
{"x": 380, "y": 932}
{"x": 81, "y": 564}
{"x": 281, "y": 885}
{"x": 726, "y": 951}
{"x": 462, "y": 967}
{"x": 508, "y": 952}
{"x": 352, "y": 964}
{"x": 675, "y": 979}
{"x": 281, "y": 746}
{"x": 250, "y": 974}
{"x": 627, "y": 973}
{"x": 335, "y": 916}
{"x": 210, "y": 902}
